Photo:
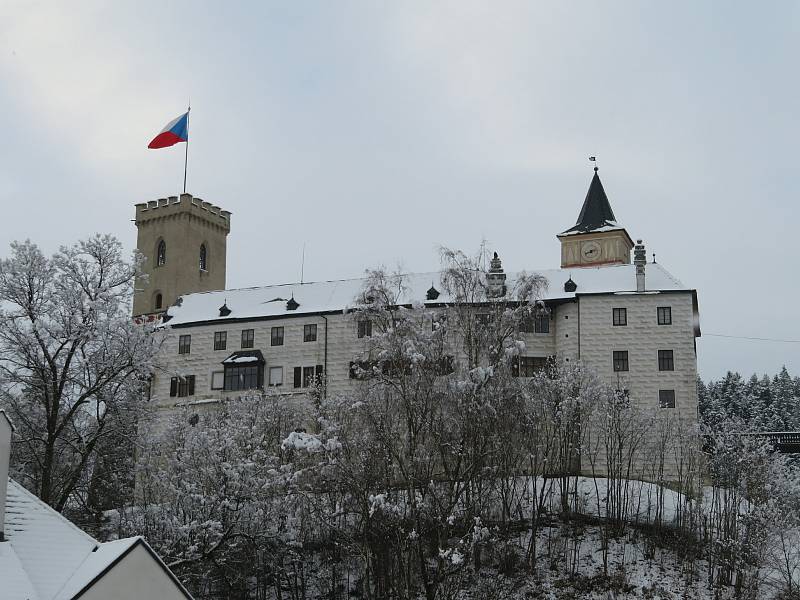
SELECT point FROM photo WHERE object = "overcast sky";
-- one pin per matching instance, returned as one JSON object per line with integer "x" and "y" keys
{"x": 374, "y": 132}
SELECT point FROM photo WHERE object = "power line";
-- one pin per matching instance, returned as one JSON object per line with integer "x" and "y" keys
{"x": 760, "y": 339}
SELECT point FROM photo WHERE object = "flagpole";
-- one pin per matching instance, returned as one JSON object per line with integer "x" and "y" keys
{"x": 186, "y": 156}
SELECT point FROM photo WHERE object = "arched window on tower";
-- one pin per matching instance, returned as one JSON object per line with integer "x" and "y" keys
{"x": 161, "y": 254}
{"x": 159, "y": 301}
{"x": 203, "y": 258}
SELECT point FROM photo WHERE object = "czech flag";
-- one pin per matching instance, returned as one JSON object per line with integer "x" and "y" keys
{"x": 175, "y": 132}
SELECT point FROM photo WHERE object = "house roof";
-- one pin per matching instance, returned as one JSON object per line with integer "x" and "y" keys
{"x": 46, "y": 557}
{"x": 336, "y": 296}
{"x": 596, "y": 213}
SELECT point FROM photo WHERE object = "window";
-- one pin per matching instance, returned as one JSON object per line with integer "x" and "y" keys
{"x": 184, "y": 344}
{"x": 665, "y": 360}
{"x": 248, "y": 377}
{"x": 217, "y": 380}
{"x": 620, "y": 316}
{"x": 359, "y": 369}
{"x": 664, "y": 315}
{"x": 203, "y": 258}
{"x": 298, "y": 377}
{"x": 528, "y": 366}
{"x": 220, "y": 340}
{"x": 275, "y": 376}
{"x": 248, "y": 338}
{"x": 159, "y": 301}
{"x": 161, "y": 254}
{"x": 483, "y": 319}
{"x": 305, "y": 376}
{"x": 308, "y": 376}
{"x": 666, "y": 398}
{"x": 276, "y": 336}
{"x": 541, "y": 324}
{"x": 310, "y": 332}
{"x": 620, "y": 360}
{"x": 181, "y": 386}
{"x": 365, "y": 328}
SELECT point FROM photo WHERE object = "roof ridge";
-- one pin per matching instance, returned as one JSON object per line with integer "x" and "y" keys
{"x": 304, "y": 283}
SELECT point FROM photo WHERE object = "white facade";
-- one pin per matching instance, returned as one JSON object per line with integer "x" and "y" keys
{"x": 603, "y": 307}
{"x": 581, "y": 328}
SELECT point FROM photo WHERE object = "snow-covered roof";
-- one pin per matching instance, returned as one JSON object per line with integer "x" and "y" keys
{"x": 334, "y": 296}
{"x": 49, "y": 547}
{"x": 46, "y": 557}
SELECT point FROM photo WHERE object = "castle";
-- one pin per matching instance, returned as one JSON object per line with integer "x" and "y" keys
{"x": 633, "y": 323}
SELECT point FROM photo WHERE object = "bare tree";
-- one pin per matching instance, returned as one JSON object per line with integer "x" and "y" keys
{"x": 70, "y": 358}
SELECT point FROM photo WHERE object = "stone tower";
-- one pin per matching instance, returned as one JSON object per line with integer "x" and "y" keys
{"x": 183, "y": 240}
{"x": 596, "y": 239}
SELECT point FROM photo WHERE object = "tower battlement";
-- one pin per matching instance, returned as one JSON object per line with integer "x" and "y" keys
{"x": 183, "y": 240}
{"x": 185, "y": 204}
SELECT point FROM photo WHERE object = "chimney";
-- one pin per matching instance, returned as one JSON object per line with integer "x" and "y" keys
{"x": 496, "y": 278}
{"x": 640, "y": 260}
{"x": 5, "y": 457}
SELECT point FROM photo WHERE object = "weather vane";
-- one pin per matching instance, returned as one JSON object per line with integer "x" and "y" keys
{"x": 594, "y": 160}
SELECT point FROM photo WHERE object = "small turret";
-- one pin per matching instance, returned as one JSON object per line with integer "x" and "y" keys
{"x": 496, "y": 279}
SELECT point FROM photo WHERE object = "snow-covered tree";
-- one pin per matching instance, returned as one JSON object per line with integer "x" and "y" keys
{"x": 71, "y": 359}
{"x": 212, "y": 496}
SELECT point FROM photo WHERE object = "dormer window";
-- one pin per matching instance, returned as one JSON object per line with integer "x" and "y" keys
{"x": 161, "y": 254}
{"x": 203, "y": 258}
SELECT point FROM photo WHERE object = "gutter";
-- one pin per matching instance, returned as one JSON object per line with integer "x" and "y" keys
{"x": 325, "y": 388}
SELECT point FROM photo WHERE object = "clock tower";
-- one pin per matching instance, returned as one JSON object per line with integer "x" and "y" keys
{"x": 596, "y": 239}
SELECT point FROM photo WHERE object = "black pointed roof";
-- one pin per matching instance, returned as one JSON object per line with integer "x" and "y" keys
{"x": 596, "y": 211}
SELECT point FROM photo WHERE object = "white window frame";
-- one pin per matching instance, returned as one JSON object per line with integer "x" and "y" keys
{"x": 275, "y": 370}
{"x": 221, "y": 375}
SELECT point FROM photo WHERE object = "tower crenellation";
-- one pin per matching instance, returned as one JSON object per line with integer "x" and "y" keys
{"x": 184, "y": 242}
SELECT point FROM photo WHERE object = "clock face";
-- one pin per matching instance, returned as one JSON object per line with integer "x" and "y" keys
{"x": 590, "y": 251}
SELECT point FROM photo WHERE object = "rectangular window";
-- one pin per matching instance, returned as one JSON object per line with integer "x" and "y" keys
{"x": 220, "y": 340}
{"x": 218, "y": 380}
{"x": 248, "y": 338}
{"x": 275, "y": 376}
{"x": 528, "y": 366}
{"x": 541, "y": 324}
{"x": 665, "y": 360}
{"x": 308, "y": 376}
{"x": 319, "y": 370}
{"x": 184, "y": 344}
{"x": 276, "y": 336}
{"x": 361, "y": 369}
{"x": 249, "y": 377}
{"x": 365, "y": 328}
{"x": 620, "y": 316}
{"x": 664, "y": 315}
{"x": 666, "y": 398}
{"x": 483, "y": 319}
{"x": 298, "y": 377}
{"x": 310, "y": 332}
{"x": 528, "y": 324}
{"x": 181, "y": 386}
{"x": 620, "y": 360}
